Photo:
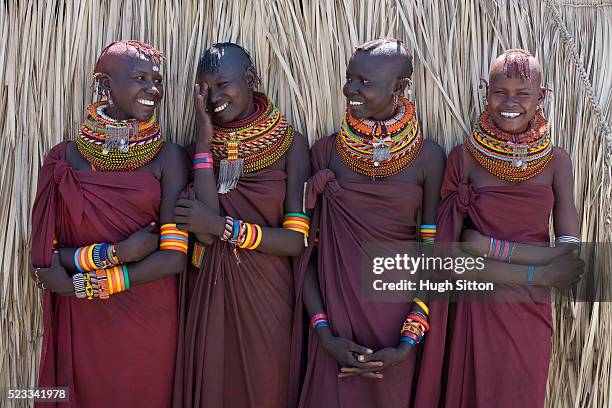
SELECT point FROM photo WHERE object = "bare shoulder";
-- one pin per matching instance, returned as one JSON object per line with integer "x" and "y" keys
{"x": 561, "y": 159}
{"x": 432, "y": 154}
{"x": 432, "y": 150}
{"x": 322, "y": 143}
{"x": 300, "y": 144}
{"x": 172, "y": 151}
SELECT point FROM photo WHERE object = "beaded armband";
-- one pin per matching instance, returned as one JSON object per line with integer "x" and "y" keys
{"x": 500, "y": 250}
{"x": 319, "y": 320}
{"x": 298, "y": 222}
{"x": 96, "y": 256}
{"x": 427, "y": 233}
{"x": 173, "y": 239}
{"x": 416, "y": 324}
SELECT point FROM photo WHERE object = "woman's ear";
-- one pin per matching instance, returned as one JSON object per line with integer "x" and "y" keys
{"x": 401, "y": 84}
{"x": 251, "y": 77}
{"x": 103, "y": 84}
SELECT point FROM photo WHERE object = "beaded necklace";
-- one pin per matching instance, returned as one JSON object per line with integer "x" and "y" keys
{"x": 380, "y": 148}
{"x": 251, "y": 144}
{"x": 511, "y": 157}
{"x": 111, "y": 145}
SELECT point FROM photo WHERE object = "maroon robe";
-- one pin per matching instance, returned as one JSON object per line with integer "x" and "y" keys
{"x": 499, "y": 352}
{"x": 351, "y": 213}
{"x": 118, "y": 352}
{"x": 236, "y": 326}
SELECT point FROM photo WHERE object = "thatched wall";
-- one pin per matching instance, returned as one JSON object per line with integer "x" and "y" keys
{"x": 48, "y": 48}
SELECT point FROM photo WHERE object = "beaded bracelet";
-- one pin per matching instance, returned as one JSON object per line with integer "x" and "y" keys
{"x": 102, "y": 280}
{"x": 250, "y": 237}
{"x": 79, "y": 285}
{"x": 421, "y": 305}
{"x": 95, "y": 256}
{"x": 500, "y": 250}
{"x": 567, "y": 239}
{"x": 415, "y": 326}
{"x": 197, "y": 254}
{"x": 173, "y": 239}
{"x": 427, "y": 233}
{"x": 530, "y": 271}
{"x": 297, "y": 222}
{"x": 242, "y": 234}
{"x": 101, "y": 283}
{"x": 202, "y": 161}
{"x": 118, "y": 279}
{"x": 319, "y": 320}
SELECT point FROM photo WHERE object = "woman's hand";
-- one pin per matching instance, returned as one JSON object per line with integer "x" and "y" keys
{"x": 563, "y": 272}
{"x": 203, "y": 123}
{"x": 196, "y": 217}
{"x": 55, "y": 278}
{"x": 387, "y": 357}
{"x": 138, "y": 245}
{"x": 346, "y": 352}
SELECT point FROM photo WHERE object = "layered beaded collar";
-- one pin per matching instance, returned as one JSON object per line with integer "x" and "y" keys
{"x": 111, "y": 145}
{"x": 251, "y": 144}
{"x": 511, "y": 157}
{"x": 380, "y": 148}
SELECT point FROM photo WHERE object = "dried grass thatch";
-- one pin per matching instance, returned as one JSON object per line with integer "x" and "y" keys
{"x": 48, "y": 48}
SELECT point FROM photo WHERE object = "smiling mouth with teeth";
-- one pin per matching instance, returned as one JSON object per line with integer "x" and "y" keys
{"x": 221, "y": 107}
{"x": 355, "y": 103}
{"x": 146, "y": 102}
{"x": 509, "y": 115}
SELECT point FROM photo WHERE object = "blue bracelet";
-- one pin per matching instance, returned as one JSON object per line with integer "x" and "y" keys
{"x": 530, "y": 270}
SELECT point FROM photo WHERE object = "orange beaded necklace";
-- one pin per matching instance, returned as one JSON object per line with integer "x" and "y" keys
{"x": 380, "y": 148}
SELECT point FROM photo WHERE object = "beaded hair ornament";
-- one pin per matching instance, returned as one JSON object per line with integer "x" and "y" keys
{"x": 512, "y": 157}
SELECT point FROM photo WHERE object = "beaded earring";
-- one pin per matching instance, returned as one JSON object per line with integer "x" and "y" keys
{"x": 409, "y": 86}
{"x": 484, "y": 84}
{"x": 108, "y": 97}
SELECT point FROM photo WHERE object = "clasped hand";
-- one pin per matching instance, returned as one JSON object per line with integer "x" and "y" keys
{"x": 359, "y": 361}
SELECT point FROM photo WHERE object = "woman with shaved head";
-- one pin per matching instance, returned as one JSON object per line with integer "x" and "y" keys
{"x": 503, "y": 183}
{"x": 373, "y": 180}
{"x": 110, "y": 299}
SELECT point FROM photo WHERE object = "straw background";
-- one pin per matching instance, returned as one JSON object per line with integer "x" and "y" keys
{"x": 301, "y": 48}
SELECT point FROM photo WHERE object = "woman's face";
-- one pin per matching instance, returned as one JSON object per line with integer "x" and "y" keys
{"x": 513, "y": 102}
{"x": 136, "y": 88}
{"x": 370, "y": 87}
{"x": 230, "y": 96}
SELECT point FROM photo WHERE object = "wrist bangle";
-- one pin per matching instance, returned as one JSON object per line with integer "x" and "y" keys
{"x": 530, "y": 271}
{"x": 319, "y": 320}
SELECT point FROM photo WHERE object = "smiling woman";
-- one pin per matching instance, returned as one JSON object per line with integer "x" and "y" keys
{"x": 507, "y": 179}
{"x": 111, "y": 290}
{"x": 249, "y": 172}
{"x": 374, "y": 179}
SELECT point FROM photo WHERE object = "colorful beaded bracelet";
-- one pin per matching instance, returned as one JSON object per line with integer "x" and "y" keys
{"x": 427, "y": 233}
{"x": 173, "y": 239}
